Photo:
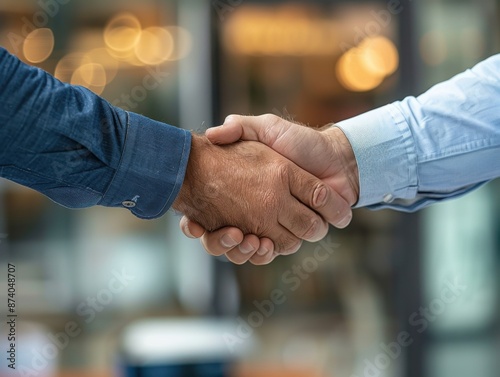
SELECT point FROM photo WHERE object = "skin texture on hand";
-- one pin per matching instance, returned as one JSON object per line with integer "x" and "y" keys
{"x": 253, "y": 188}
{"x": 326, "y": 154}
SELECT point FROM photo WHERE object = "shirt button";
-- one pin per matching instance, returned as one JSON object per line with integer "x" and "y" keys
{"x": 128, "y": 204}
{"x": 388, "y": 198}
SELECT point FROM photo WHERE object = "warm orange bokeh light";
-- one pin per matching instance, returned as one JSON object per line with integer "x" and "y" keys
{"x": 91, "y": 76}
{"x": 353, "y": 75}
{"x": 155, "y": 46}
{"x": 365, "y": 67}
{"x": 102, "y": 57}
{"x": 38, "y": 45}
{"x": 69, "y": 64}
{"x": 282, "y": 33}
{"x": 380, "y": 56}
{"x": 122, "y": 32}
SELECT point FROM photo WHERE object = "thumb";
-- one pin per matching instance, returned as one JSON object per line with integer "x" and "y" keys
{"x": 230, "y": 132}
{"x": 265, "y": 129}
{"x": 304, "y": 146}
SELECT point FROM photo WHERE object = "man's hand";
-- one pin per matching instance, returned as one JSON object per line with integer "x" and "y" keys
{"x": 326, "y": 154}
{"x": 251, "y": 187}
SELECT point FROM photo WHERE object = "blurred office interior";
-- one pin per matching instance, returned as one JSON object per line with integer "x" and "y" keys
{"x": 370, "y": 306}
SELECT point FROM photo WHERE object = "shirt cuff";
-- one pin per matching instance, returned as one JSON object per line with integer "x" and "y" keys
{"x": 152, "y": 168}
{"x": 386, "y": 155}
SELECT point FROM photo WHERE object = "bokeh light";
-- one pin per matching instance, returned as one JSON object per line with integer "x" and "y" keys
{"x": 38, "y": 45}
{"x": 91, "y": 76}
{"x": 155, "y": 46}
{"x": 365, "y": 67}
{"x": 81, "y": 69}
{"x": 183, "y": 42}
{"x": 122, "y": 32}
{"x": 433, "y": 48}
{"x": 102, "y": 57}
{"x": 353, "y": 75}
{"x": 69, "y": 64}
{"x": 287, "y": 33}
{"x": 380, "y": 55}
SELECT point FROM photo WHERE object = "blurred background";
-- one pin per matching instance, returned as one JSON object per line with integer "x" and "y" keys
{"x": 101, "y": 293}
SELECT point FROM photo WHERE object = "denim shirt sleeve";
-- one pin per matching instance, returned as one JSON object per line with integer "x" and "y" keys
{"x": 437, "y": 146}
{"x": 80, "y": 151}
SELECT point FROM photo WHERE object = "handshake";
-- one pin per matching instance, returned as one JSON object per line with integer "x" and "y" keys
{"x": 257, "y": 186}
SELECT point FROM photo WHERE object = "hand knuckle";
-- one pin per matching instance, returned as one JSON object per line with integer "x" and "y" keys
{"x": 269, "y": 118}
{"x": 311, "y": 226}
{"x": 320, "y": 202}
{"x": 288, "y": 244}
{"x": 282, "y": 171}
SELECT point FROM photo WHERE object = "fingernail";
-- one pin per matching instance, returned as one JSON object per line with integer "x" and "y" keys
{"x": 321, "y": 195}
{"x": 262, "y": 251}
{"x": 227, "y": 241}
{"x": 246, "y": 249}
{"x": 345, "y": 221}
{"x": 186, "y": 231}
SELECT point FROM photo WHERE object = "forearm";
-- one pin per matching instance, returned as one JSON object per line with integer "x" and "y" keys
{"x": 439, "y": 145}
{"x": 347, "y": 181}
{"x": 77, "y": 149}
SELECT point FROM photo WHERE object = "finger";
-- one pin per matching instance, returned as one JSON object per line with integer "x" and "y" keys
{"x": 191, "y": 228}
{"x": 249, "y": 245}
{"x": 221, "y": 241}
{"x": 303, "y": 145}
{"x": 245, "y": 251}
{"x": 266, "y": 246}
{"x": 264, "y": 253}
{"x": 320, "y": 198}
{"x": 261, "y": 260}
{"x": 264, "y": 128}
{"x": 302, "y": 222}
{"x": 229, "y": 133}
{"x": 284, "y": 241}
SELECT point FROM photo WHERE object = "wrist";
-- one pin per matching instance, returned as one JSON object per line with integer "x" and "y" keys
{"x": 347, "y": 162}
{"x": 198, "y": 155}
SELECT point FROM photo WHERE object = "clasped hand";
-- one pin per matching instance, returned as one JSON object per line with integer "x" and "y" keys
{"x": 257, "y": 186}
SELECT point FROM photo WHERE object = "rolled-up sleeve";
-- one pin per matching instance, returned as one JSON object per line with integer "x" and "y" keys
{"x": 440, "y": 145}
{"x": 79, "y": 150}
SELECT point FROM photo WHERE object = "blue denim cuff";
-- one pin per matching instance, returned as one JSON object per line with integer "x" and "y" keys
{"x": 152, "y": 168}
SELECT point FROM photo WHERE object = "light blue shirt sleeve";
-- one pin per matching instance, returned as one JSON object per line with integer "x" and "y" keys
{"x": 440, "y": 145}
